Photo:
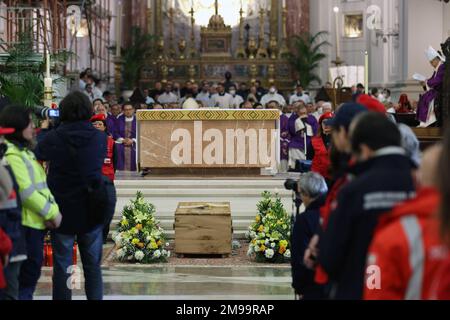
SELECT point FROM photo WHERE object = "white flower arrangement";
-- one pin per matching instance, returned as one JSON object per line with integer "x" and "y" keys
{"x": 140, "y": 238}
{"x": 269, "y": 253}
{"x": 287, "y": 254}
{"x": 139, "y": 255}
{"x": 157, "y": 254}
{"x": 270, "y": 232}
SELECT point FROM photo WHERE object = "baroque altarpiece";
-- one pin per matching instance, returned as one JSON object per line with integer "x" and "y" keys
{"x": 202, "y": 39}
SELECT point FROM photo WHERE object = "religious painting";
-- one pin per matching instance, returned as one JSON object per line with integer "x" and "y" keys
{"x": 353, "y": 25}
{"x": 216, "y": 45}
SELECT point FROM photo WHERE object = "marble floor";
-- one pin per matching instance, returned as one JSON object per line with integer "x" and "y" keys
{"x": 139, "y": 282}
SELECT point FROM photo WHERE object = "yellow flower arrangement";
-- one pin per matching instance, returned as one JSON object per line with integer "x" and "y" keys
{"x": 270, "y": 233}
{"x": 140, "y": 237}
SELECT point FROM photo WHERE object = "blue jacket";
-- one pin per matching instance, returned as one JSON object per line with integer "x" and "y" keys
{"x": 305, "y": 227}
{"x": 380, "y": 184}
{"x": 64, "y": 176}
{"x": 11, "y": 220}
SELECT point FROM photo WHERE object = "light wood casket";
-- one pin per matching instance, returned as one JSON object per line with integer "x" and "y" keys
{"x": 203, "y": 228}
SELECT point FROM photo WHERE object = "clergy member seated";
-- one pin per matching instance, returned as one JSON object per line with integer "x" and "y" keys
{"x": 204, "y": 96}
{"x": 168, "y": 97}
{"x": 236, "y": 99}
{"x": 429, "y": 108}
{"x": 273, "y": 95}
{"x": 299, "y": 95}
{"x": 302, "y": 127}
{"x": 125, "y": 137}
{"x": 221, "y": 99}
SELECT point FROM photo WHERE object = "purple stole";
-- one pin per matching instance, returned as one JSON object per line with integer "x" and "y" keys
{"x": 435, "y": 84}
{"x": 120, "y": 132}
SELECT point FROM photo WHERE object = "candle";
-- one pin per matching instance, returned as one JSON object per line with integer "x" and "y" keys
{"x": 284, "y": 3}
{"x": 149, "y": 4}
{"x": 366, "y": 71}
{"x": 338, "y": 49}
{"x": 47, "y": 73}
{"x": 48, "y": 82}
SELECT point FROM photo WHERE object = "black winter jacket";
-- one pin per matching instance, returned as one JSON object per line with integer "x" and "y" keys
{"x": 65, "y": 175}
{"x": 380, "y": 184}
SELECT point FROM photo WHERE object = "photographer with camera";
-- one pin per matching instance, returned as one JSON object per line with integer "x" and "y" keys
{"x": 312, "y": 190}
{"x": 39, "y": 209}
{"x": 76, "y": 152}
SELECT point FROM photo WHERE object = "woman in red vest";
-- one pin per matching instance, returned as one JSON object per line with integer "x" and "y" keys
{"x": 108, "y": 169}
{"x": 320, "y": 148}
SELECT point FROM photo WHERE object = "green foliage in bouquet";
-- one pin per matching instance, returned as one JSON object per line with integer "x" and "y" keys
{"x": 270, "y": 234}
{"x": 140, "y": 237}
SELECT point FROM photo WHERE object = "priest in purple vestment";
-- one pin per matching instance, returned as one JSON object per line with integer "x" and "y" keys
{"x": 125, "y": 137}
{"x": 300, "y": 123}
{"x": 285, "y": 139}
{"x": 429, "y": 109}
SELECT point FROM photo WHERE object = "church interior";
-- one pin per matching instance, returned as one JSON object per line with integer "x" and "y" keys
{"x": 197, "y": 98}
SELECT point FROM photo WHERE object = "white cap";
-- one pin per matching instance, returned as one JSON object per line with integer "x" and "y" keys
{"x": 432, "y": 53}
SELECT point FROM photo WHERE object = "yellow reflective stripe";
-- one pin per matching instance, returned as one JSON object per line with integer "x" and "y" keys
{"x": 413, "y": 233}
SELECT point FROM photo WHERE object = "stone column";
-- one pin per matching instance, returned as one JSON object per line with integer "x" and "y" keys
{"x": 298, "y": 17}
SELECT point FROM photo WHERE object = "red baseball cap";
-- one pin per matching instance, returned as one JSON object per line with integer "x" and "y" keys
{"x": 4, "y": 131}
{"x": 326, "y": 116}
{"x": 371, "y": 104}
{"x": 98, "y": 117}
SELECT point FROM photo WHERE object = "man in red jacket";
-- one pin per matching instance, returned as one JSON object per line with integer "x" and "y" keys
{"x": 406, "y": 250}
{"x": 5, "y": 249}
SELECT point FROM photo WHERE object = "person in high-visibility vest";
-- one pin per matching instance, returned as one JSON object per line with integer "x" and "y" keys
{"x": 39, "y": 209}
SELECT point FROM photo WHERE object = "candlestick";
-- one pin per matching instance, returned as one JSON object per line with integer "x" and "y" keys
{"x": 366, "y": 71}
{"x": 240, "y": 51}
{"x": 262, "y": 51}
{"x": 284, "y": 50}
{"x": 193, "y": 51}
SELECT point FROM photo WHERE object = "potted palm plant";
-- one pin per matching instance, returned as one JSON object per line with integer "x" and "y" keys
{"x": 307, "y": 55}
{"x": 133, "y": 59}
{"x": 22, "y": 71}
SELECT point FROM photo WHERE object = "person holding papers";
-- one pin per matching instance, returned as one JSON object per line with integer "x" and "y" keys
{"x": 429, "y": 108}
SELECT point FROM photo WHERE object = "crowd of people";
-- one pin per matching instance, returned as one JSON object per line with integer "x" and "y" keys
{"x": 60, "y": 180}
{"x": 376, "y": 223}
